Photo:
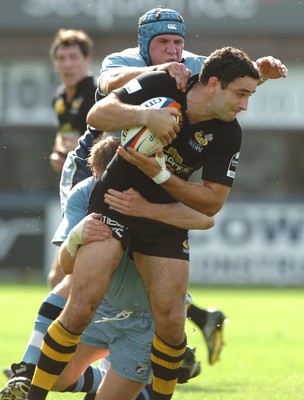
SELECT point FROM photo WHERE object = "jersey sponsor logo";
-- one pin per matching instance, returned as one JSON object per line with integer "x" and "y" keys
{"x": 174, "y": 162}
{"x": 132, "y": 86}
{"x": 141, "y": 368}
{"x": 233, "y": 165}
{"x": 114, "y": 225}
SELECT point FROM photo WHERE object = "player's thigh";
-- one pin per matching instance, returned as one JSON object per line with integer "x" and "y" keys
{"x": 165, "y": 279}
{"x": 115, "y": 387}
{"x": 93, "y": 268}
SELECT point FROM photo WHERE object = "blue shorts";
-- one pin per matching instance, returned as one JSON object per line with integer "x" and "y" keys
{"x": 128, "y": 336}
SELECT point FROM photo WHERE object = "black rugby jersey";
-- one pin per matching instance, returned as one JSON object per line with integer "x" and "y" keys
{"x": 72, "y": 115}
{"x": 213, "y": 145}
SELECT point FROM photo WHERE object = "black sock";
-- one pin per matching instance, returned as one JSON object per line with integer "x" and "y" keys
{"x": 197, "y": 315}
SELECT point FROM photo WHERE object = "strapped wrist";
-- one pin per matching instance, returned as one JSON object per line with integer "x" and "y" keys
{"x": 162, "y": 176}
{"x": 263, "y": 78}
{"x": 74, "y": 239}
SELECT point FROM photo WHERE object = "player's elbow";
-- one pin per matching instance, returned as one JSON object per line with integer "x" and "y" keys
{"x": 213, "y": 209}
{"x": 110, "y": 85}
{"x": 211, "y": 222}
{"x": 92, "y": 118}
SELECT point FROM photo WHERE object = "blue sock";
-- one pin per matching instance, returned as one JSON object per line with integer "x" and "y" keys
{"x": 48, "y": 312}
{"x": 88, "y": 381}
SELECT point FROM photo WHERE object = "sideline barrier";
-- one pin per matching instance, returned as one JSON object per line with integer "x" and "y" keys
{"x": 252, "y": 243}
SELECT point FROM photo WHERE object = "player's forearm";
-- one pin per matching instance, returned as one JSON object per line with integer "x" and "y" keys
{"x": 205, "y": 199}
{"x": 181, "y": 216}
{"x": 66, "y": 261}
{"x": 110, "y": 115}
{"x": 132, "y": 203}
{"x": 118, "y": 77}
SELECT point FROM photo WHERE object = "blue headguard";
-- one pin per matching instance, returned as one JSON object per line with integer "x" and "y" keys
{"x": 158, "y": 21}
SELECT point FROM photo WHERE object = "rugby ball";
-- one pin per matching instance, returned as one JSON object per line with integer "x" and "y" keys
{"x": 141, "y": 138}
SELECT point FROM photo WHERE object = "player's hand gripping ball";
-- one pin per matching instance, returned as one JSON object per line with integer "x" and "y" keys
{"x": 141, "y": 138}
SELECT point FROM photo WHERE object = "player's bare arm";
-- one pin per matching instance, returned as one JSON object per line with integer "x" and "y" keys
{"x": 132, "y": 203}
{"x": 89, "y": 229}
{"x": 117, "y": 77}
{"x": 110, "y": 114}
{"x": 207, "y": 198}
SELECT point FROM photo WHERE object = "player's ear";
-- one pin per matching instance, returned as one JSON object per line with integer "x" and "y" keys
{"x": 213, "y": 83}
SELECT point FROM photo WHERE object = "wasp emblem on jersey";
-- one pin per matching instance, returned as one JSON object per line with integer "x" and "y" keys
{"x": 186, "y": 247}
{"x": 202, "y": 139}
{"x": 59, "y": 106}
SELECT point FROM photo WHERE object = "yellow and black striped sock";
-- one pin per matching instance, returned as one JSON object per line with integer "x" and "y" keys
{"x": 166, "y": 362}
{"x": 58, "y": 348}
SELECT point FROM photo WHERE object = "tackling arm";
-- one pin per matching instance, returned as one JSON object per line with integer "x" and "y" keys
{"x": 270, "y": 68}
{"x": 207, "y": 198}
{"x": 89, "y": 229}
{"x": 115, "y": 78}
{"x": 132, "y": 203}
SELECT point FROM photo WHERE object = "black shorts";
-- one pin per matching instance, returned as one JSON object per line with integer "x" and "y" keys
{"x": 148, "y": 237}
{"x": 142, "y": 235}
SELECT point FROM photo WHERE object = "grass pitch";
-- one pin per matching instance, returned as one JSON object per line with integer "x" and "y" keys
{"x": 263, "y": 358}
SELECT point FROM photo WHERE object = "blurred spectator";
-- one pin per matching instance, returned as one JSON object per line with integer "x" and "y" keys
{"x": 71, "y": 54}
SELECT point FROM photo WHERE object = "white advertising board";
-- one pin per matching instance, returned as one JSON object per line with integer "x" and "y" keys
{"x": 27, "y": 89}
{"x": 258, "y": 243}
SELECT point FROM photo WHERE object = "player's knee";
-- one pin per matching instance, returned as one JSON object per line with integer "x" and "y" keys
{"x": 170, "y": 325}
{"x": 54, "y": 278}
{"x": 77, "y": 315}
{"x": 56, "y": 275}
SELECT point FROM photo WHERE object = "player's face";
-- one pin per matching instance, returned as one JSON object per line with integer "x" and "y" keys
{"x": 71, "y": 65}
{"x": 227, "y": 103}
{"x": 166, "y": 48}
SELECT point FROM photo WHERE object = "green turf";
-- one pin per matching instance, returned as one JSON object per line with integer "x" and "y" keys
{"x": 263, "y": 358}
